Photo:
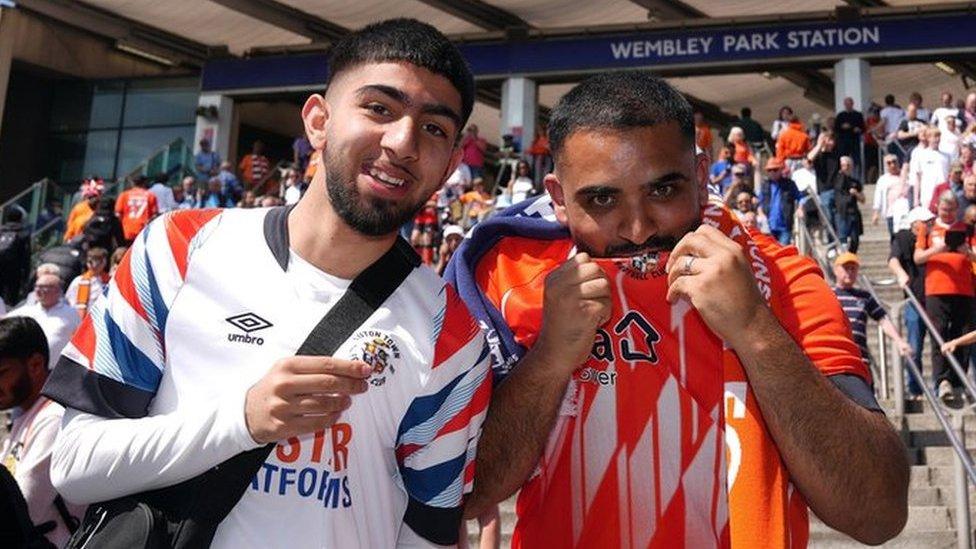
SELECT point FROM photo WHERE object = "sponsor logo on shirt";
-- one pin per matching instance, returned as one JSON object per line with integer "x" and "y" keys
{"x": 247, "y": 323}
{"x": 379, "y": 350}
{"x": 644, "y": 266}
{"x": 313, "y": 468}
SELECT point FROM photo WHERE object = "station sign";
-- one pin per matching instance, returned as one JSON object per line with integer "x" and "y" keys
{"x": 750, "y": 46}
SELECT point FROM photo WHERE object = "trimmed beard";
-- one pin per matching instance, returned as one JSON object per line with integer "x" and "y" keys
{"x": 375, "y": 217}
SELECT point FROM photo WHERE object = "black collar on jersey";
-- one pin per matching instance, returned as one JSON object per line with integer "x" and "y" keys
{"x": 276, "y": 235}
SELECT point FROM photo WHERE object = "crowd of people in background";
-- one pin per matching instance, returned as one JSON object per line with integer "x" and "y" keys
{"x": 921, "y": 163}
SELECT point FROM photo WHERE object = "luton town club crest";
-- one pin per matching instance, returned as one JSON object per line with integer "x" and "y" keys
{"x": 379, "y": 350}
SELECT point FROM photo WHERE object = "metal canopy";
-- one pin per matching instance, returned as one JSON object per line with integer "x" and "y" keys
{"x": 188, "y": 32}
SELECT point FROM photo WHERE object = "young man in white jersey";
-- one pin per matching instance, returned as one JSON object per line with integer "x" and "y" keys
{"x": 192, "y": 352}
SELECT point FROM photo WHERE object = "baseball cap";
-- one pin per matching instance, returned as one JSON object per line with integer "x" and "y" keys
{"x": 453, "y": 230}
{"x": 920, "y": 213}
{"x": 845, "y": 258}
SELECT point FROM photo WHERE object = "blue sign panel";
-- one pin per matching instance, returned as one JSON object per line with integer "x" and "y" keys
{"x": 716, "y": 45}
{"x": 278, "y": 71}
{"x": 739, "y": 46}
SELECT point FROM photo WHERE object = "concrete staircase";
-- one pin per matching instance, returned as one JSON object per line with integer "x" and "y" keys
{"x": 932, "y": 513}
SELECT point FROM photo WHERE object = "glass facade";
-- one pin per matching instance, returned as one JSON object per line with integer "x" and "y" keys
{"x": 107, "y": 128}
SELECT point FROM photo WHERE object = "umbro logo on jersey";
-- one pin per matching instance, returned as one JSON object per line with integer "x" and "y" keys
{"x": 247, "y": 323}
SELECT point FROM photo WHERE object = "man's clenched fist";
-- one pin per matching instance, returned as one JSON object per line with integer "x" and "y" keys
{"x": 576, "y": 303}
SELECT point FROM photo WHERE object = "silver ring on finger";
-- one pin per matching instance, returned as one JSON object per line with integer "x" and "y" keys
{"x": 686, "y": 270}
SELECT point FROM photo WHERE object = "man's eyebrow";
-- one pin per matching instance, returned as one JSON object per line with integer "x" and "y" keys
{"x": 594, "y": 190}
{"x": 667, "y": 178}
{"x": 436, "y": 109}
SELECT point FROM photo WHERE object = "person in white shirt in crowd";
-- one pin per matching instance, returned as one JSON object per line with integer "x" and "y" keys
{"x": 521, "y": 186}
{"x": 56, "y": 316}
{"x": 42, "y": 269}
{"x": 929, "y": 167}
{"x": 889, "y": 187}
{"x": 459, "y": 180}
{"x": 91, "y": 285}
{"x": 165, "y": 200}
{"x": 951, "y": 136}
{"x": 26, "y": 451}
{"x": 948, "y": 108}
{"x": 293, "y": 190}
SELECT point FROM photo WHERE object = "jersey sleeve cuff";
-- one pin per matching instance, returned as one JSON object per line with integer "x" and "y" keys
{"x": 74, "y": 385}
{"x": 856, "y": 389}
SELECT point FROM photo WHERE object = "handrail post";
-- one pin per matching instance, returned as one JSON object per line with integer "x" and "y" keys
{"x": 898, "y": 370}
{"x": 963, "y": 528}
{"x": 883, "y": 361}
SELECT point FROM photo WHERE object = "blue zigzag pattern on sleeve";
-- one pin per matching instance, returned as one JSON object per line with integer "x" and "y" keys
{"x": 136, "y": 368}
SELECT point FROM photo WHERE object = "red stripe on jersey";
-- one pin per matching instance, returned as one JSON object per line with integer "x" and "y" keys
{"x": 457, "y": 329}
{"x": 181, "y": 227}
{"x": 405, "y": 451}
{"x": 469, "y": 472}
{"x": 84, "y": 340}
{"x": 479, "y": 401}
{"x": 127, "y": 287}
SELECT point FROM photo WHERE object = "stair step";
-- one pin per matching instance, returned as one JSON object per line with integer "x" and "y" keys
{"x": 932, "y": 518}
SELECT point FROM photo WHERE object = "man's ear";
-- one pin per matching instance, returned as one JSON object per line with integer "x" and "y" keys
{"x": 315, "y": 113}
{"x": 555, "y": 189}
{"x": 701, "y": 172}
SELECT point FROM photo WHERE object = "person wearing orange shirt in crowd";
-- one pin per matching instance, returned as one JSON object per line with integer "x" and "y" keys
{"x": 644, "y": 337}
{"x": 947, "y": 257}
{"x": 703, "y": 135}
{"x": 743, "y": 152}
{"x": 91, "y": 190}
{"x": 793, "y": 144}
{"x": 254, "y": 167}
{"x": 477, "y": 202}
{"x": 135, "y": 208}
{"x": 541, "y": 159}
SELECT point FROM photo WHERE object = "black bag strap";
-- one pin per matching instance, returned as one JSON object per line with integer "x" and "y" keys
{"x": 70, "y": 521}
{"x": 222, "y": 487}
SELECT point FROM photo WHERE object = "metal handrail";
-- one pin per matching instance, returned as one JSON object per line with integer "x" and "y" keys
{"x": 957, "y": 445}
{"x": 937, "y": 339}
{"x": 22, "y": 194}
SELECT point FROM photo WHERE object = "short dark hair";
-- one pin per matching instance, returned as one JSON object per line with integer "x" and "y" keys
{"x": 746, "y": 112}
{"x": 619, "y": 101}
{"x": 21, "y": 337}
{"x": 889, "y": 99}
{"x": 408, "y": 40}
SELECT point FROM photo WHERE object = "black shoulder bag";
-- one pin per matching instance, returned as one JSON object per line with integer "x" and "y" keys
{"x": 187, "y": 515}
